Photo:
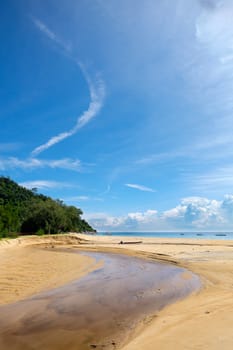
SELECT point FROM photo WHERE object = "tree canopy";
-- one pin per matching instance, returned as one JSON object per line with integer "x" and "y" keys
{"x": 24, "y": 211}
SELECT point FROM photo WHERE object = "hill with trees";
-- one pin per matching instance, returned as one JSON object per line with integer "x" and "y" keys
{"x": 24, "y": 211}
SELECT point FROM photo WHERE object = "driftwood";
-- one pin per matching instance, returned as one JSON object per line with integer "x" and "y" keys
{"x": 135, "y": 242}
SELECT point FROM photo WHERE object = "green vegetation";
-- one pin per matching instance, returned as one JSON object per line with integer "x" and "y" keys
{"x": 24, "y": 211}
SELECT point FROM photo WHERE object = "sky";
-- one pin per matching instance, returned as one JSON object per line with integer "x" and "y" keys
{"x": 123, "y": 108}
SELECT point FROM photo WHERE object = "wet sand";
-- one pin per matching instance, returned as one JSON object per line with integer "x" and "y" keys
{"x": 96, "y": 311}
{"x": 201, "y": 321}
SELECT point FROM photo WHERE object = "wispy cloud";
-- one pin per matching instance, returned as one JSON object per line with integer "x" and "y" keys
{"x": 140, "y": 187}
{"x": 82, "y": 198}
{"x": 44, "y": 184}
{"x": 217, "y": 147}
{"x": 50, "y": 34}
{"x": 217, "y": 180}
{"x": 211, "y": 59}
{"x": 77, "y": 199}
{"x": 96, "y": 88}
{"x": 97, "y": 93}
{"x": 33, "y": 163}
{"x": 159, "y": 157}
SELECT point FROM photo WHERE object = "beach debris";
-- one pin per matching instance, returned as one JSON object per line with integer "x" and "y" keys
{"x": 129, "y": 242}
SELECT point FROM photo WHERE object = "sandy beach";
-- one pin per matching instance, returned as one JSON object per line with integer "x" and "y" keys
{"x": 201, "y": 321}
{"x": 27, "y": 270}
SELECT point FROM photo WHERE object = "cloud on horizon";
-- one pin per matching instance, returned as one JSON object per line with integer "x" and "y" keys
{"x": 192, "y": 214}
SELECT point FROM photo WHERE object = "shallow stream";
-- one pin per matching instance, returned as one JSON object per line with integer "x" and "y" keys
{"x": 97, "y": 311}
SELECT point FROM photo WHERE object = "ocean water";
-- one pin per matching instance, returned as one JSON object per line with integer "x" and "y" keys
{"x": 199, "y": 235}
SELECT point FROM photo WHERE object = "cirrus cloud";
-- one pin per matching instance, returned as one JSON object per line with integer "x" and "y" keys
{"x": 33, "y": 163}
{"x": 44, "y": 184}
{"x": 96, "y": 88}
{"x": 140, "y": 187}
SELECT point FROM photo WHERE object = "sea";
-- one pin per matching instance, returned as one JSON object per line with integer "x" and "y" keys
{"x": 199, "y": 235}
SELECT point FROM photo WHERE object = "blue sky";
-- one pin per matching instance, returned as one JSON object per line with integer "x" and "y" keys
{"x": 122, "y": 108}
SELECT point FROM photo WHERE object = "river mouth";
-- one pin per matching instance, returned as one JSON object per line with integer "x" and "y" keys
{"x": 97, "y": 311}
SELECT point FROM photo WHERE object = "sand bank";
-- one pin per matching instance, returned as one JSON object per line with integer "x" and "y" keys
{"x": 201, "y": 321}
{"x": 26, "y": 270}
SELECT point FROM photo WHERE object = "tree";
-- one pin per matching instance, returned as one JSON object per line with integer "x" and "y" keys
{"x": 22, "y": 210}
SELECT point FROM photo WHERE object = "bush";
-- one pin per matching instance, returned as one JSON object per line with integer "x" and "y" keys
{"x": 40, "y": 232}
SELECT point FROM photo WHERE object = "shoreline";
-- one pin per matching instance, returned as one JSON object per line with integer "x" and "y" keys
{"x": 202, "y": 320}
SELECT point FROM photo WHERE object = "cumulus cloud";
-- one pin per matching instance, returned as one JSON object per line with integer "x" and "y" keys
{"x": 191, "y": 214}
{"x": 195, "y": 212}
{"x": 140, "y": 187}
{"x": 131, "y": 221}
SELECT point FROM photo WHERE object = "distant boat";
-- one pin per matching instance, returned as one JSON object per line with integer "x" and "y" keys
{"x": 182, "y": 234}
{"x": 199, "y": 234}
{"x": 220, "y": 234}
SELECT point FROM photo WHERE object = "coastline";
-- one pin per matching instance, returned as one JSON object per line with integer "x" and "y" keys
{"x": 201, "y": 321}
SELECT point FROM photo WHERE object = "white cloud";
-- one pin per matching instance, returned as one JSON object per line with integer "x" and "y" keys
{"x": 97, "y": 93}
{"x": 196, "y": 212}
{"x": 44, "y": 184}
{"x": 51, "y": 35}
{"x": 191, "y": 214}
{"x": 140, "y": 187}
{"x": 143, "y": 217}
{"x": 131, "y": 221}
{"x": 81, "y": 198}
{"x": 104, "y": 221}
{"x": 96, "y": 87}
{"x": 77, "y": 199}
{"x": 33, "y": 163}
